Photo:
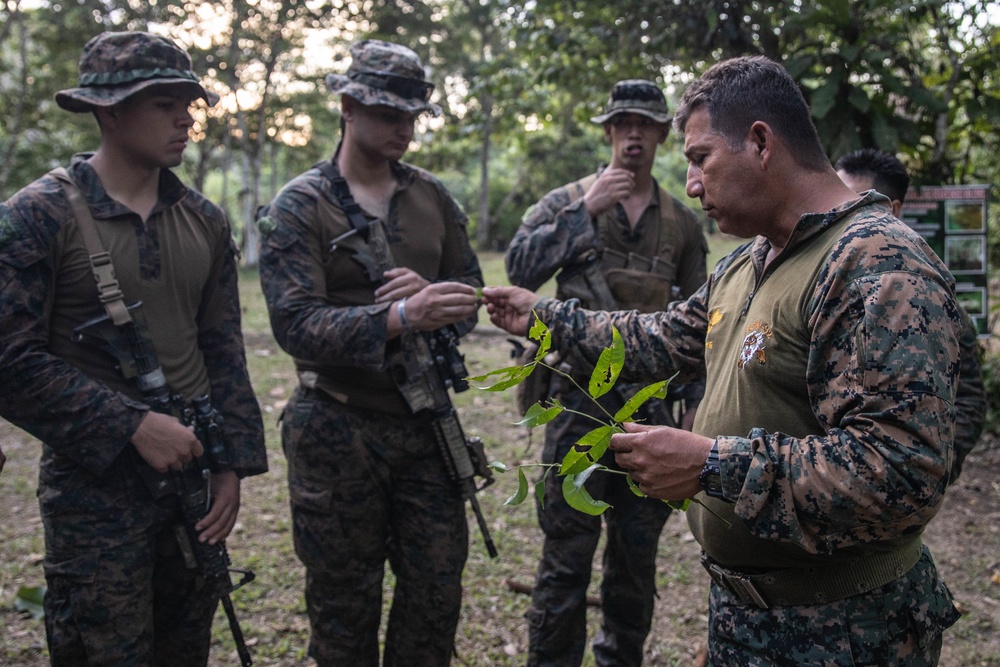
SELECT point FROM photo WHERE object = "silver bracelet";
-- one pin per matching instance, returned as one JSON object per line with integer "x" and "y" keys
{"x": 401, "y": 311}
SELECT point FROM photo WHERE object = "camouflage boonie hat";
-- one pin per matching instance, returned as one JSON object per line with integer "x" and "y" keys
{"x": 635, "y": 96}
{"x": 385, "y": 73}
{"x": 116, "y": 65}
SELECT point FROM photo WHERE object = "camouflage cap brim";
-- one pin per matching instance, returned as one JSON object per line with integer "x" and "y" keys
{"x": 86, "y": 98}
{"x": 649, "y": 109}
{"x": 368, "y": 95}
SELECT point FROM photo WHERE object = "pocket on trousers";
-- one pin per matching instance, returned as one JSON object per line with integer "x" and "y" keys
{"x": 75, "y": 569}
{"x": 301, "y": 435}
{"x": 937, "y": 614}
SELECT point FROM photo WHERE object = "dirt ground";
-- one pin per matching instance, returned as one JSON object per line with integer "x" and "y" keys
{"x": 964, "y": 537}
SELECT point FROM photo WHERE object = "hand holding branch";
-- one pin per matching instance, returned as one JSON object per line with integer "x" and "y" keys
{"x": 664, "y": 462}
{"x": 510, "y": 308}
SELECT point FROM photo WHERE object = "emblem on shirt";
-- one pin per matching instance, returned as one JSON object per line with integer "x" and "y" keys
{"x": 713, "y": 318}
{"x": 266, "y": 225}
{"x": 754, "y": 344}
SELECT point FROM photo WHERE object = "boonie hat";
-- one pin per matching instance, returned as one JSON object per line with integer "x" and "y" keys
{"x": 116, "y": 65}
{"x": 635, "y": 96}
{"x": 385, "y": 73}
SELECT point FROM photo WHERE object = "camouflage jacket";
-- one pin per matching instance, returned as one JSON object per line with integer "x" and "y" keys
{"x": 558, "y": 229}
{"x": 970, "y": 400}
{"x": 322, "y": 299}
{"x": 180, "y": 263}
{"x": 871, "y": 416}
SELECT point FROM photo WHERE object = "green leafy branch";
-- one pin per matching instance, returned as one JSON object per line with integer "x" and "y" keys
{"x": 583, "y": 459}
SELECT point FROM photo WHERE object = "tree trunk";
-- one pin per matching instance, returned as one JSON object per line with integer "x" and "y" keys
{"x": 484, "y": 226}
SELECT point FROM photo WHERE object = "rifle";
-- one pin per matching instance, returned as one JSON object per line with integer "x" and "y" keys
{"x": 432, "y": 364}
{"x": 427, "y": 365}
{"x": 132, "y": 347}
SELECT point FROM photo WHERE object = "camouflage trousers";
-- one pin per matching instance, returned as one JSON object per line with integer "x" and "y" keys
{"x": 557, "y": 622}
{"x": 119, "y": 592}
{"x": 366, "y": 487}
{"x": 897, "y": 625}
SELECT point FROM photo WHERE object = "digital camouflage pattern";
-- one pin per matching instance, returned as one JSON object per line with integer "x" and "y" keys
{"x": 897, "y": 624}
{"x": 366, "y": 487}
{"x": 878, "y": 345}
{"x": 555, "y": 232}
{"x": 109, "y": 553}
{"x": 558, "y": 229}
{"x": 116, "y": 65}
{"x": 367, "y": 480}
{"x": 636, "y": 96}
{"x": 970, "y": 399}
{"x": 375, "y": 57}
{"x": 99, "y": 519}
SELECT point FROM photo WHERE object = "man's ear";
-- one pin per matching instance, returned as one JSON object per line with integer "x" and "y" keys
{"x": 664, "y": 134}
{"x": 761, "y": 139}
{"x": 106, "y": 116}
{"x": 346, "y": 107}
{"x": 896, "y": 207}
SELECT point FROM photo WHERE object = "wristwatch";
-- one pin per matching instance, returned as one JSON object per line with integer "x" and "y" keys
{"x": 711, "y": 475}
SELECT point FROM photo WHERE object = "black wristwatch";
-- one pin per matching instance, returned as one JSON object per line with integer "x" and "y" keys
{"x": 711, "y": 475}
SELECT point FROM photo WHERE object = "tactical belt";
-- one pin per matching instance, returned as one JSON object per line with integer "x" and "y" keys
{"x": 817, "y": 585}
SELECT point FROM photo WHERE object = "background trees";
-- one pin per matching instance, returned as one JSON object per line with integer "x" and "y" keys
{"x": 518, "y": 82}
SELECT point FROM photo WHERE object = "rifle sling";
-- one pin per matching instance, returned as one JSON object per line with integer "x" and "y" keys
{"x": 108, "y": 290}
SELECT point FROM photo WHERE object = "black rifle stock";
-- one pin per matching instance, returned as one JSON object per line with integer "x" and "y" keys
{"x": 431, "y": 365}
{"x": 131, "y": 346}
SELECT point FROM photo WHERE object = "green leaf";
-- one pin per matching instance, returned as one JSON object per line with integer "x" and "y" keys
{"x": 540, "y": 332}
{"x": 538, "y": 414}
{"x": 522, "y": 489}
{"x": 633, "y": 488}
{"x": 655, "y": 390}
{"x": 608, "y": 367}
{"x": 681, "y": 505}
{"x": 30, "y": 599}
{"x": 498, "y": 466}
{"x": 598, "y": 440}
{"x": 540, "y": 491}
{"x": 859, "y": 99}
{"x": 824, "y": 98}
{"x": 509, "y": 377}
{"x": 578, "y": 498}
{"x": 575, "y": 461}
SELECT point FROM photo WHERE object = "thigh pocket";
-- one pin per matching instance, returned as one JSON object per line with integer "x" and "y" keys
{"x": 308, "y": 438}
{"x": 935, "y": 611}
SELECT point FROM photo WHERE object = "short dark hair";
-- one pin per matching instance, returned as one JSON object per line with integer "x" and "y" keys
{"x": 740, "y": 91}
{"x": 888, "y": 174}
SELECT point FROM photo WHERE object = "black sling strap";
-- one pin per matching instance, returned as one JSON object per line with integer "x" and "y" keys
{"x": 342, "y": 193}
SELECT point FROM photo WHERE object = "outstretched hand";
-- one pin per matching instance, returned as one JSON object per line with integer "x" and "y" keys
{"x": 663, "y": 462}
{"x": 510, "y": 308}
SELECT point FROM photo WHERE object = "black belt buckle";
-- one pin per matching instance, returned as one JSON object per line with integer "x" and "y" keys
{"x": 736, "y": 583}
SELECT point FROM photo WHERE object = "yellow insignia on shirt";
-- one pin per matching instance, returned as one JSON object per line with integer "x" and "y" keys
{"x": 754, "y": 344}
{"x": 713, "y": 318}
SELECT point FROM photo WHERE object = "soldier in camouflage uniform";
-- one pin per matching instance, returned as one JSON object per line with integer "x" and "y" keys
{"x": 874, "y": 169}
{"x": 119, "y": 591}
{"x": 616, "y": 241}
{"x": 830, "y": 349}
{"x": 366, "y": 478}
